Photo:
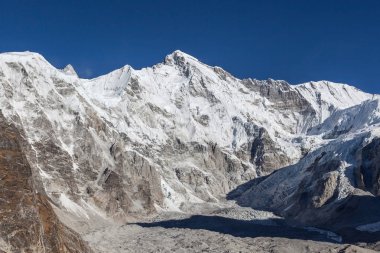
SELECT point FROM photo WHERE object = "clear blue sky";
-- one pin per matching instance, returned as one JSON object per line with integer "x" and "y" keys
{"x": 294, "y": 40}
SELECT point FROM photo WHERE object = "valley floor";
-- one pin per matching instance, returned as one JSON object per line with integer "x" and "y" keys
{"x": 212, "y": 228}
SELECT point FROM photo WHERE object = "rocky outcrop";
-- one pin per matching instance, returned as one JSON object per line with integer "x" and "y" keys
{"x": 207, "y": 170}
{"x": 333, "y": 187}
{"x": 266, "y": 155}
{"x": 27, "y": 220}
{"x": 308, "y": 197}
{"x": 368, "y": 169}
{"x": 280, "y": 93}
{"x": 309, "y": 204}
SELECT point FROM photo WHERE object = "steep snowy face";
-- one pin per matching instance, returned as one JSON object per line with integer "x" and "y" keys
{"x": 327, "y": 97}
{"x": 203, "y": 99}
{"x": 134, "y": 142}
{"x": 349, "y": 120}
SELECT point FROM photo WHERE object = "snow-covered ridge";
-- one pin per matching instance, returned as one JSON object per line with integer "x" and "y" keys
{"x": 326, "y": 97}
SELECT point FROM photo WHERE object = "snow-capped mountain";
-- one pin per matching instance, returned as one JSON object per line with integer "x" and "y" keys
{"x": 135, "y": 142}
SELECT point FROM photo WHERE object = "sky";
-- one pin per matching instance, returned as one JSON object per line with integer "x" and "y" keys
{"x": 293, "y": 40}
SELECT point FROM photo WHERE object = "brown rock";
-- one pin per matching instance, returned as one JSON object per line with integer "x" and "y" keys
{"x": 27, "y": 220}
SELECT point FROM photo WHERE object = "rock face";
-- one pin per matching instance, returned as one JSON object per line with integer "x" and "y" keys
{"x": 334, "y": 187}
{"x": 368, "y": 169}
{"x": 135, "y": 142}
{"x": 27, "y": 221}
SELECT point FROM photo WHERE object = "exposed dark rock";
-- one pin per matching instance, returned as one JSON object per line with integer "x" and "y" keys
{"x": 368, "y": 170}
{"x": 27, "y": 221}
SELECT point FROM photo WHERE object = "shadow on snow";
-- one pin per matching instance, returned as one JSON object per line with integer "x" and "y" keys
{"x": 240, "y": 228}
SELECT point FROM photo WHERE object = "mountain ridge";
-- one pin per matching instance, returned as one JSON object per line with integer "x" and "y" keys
{"x": 167, "y": 58}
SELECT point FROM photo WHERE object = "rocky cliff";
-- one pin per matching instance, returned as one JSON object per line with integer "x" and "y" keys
{"x": 27, "y": 221}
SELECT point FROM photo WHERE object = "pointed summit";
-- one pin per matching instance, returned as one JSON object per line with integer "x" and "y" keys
{"x": 69, "y": 69}
{"x": 181, "y": 53}
{"x": 179, "y": 58}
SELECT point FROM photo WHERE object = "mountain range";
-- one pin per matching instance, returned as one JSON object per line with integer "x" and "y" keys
{"x": 78, "y": 155}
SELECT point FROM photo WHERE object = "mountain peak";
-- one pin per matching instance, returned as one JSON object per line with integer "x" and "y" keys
{"x": 69, "y": 69}
{"x": 179, "y": 58}
{"x": 181, "y": 53}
